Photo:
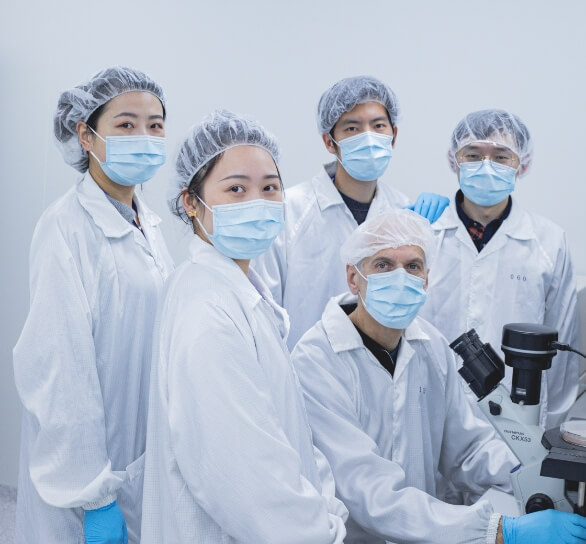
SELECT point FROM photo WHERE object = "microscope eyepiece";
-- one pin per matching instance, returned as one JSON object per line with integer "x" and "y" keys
{"x": 482, "y": 368}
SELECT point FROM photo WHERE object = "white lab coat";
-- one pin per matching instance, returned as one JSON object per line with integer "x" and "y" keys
{"x": 82, "y": 364}
{"x": 523, "y": 275}
{"x": 229, "y": 450}
{"x": 387, "y": 437}
{"x": 303, "y": 268}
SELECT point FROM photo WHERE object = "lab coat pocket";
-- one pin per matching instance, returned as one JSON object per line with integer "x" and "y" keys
{"x": 130, "y": 498}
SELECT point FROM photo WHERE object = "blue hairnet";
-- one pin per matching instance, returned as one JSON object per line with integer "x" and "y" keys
{"x": 77, "y": 104}
{"x": 499, "y": 126}
{"x": 347, "y": 93}
{"x": 219, "y": 131}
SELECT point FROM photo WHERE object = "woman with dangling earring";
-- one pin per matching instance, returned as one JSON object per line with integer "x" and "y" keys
{"x": 229, "y": 450}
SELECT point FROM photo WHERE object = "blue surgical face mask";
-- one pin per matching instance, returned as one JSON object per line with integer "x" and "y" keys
{"x": 131, "y": 160}
{"x": 394, "y": 298}
{"x": 486, "y": 183}
{"x": 245, "y": 230}
{"x": 366, "y": 156}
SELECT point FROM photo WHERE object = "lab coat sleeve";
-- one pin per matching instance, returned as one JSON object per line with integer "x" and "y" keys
{"x": 561, "y": 314}
{"x": 372, "y": 487}
{"x": 271, "y": 266}
{"x": 57, "y": 380}
{"x": 228, "y": 442}
{"x": 473, "y": 456}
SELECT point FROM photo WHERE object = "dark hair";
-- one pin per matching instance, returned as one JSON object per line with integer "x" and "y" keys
{"x": 194, "y": 188}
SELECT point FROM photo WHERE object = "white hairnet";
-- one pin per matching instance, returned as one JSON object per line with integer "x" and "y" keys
{"x": 499, "y": 126}
{"x": 347, "y": 93}
{"x": 392, "y": 229}
{"x": 219, "y": 131}
{"x": 77, "y": 104}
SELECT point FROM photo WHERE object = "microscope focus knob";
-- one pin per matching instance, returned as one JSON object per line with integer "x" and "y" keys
{"x": 538, "y": 502}
{"x": 495, "y": 408}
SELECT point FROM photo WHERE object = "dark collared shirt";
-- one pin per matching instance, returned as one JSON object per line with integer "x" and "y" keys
{"x": 359, "y": 210}
{"x": 385, "y": 357}
{"x": 479, "y": 233}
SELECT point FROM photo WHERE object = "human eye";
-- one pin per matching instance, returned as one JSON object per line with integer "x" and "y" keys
{"x": 157, "y": 126}
{"x": 382, "y": 266}
{"x": 380, "y": 125}
{"x": 503, "y": 158}
{"x": 472, "y": 157}
{"x": 414, "y": 267}
{"x": 271, "y": 187}
{"x": 236, "y": 189}
{"x": 126, "y": 125}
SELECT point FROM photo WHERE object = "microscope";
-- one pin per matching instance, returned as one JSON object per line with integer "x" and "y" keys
{"x": 546, "y": 461}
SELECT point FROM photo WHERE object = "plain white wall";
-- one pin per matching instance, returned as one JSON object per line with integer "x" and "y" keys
{"x": 273, "y": 60}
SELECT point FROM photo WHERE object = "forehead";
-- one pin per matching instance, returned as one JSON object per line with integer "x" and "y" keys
{"x": 365, "y": 112}
{"x": 246, "y": 159}
{"x": 398, "y": 254}
{"x": 134, "y": 102}
{"x": 496, "y": 139}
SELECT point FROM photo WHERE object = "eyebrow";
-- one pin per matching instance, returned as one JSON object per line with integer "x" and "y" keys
{"x": 135, "y": 116}
{"x": 243, "y": 177}
{"x": 495, "y": 147}
{"x": 416, "y": 260}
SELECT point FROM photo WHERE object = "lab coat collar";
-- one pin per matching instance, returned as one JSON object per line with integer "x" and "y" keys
{"x": 252, "y": 288}
{"x": 342, "y": 333}
{"x": 515, "y": 226}
{"x": 104, "y": 215}
{"x": 325, "y": 191}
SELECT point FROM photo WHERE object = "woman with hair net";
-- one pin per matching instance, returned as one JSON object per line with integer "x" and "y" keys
{"x": 498, "y": 263}
{"x": 357, "y": 120}
{"x": 387, "y": 407}
{"x": 229, "y": 450}
{"x": 82, "y": 362}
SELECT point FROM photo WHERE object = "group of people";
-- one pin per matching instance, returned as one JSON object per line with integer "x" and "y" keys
{"x": 291, "y": 381}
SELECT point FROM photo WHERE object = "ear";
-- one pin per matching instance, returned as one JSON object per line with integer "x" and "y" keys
{"x": 85, "y": 135}
{"x": 352, "y": 279}
{"x": 188, "y": 201}
{"x": 395, "y": 130}
{"x": 328, "y": 142}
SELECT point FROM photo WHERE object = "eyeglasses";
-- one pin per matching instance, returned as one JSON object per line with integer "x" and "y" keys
{"x": 479, "y": 151}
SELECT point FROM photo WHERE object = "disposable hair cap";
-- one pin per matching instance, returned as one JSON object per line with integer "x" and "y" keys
{"x": 349, "y": 92}
{"x": 392, "y": 229}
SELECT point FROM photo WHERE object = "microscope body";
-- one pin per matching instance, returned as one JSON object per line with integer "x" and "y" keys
{"x": 515, "y": 414}
{"x": 518, "y": 425}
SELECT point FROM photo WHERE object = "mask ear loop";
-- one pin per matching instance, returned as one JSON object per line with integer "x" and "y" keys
{"x": 91, "y": 152}
{"x": 199, "y": 222}
{"x": 364, "y": 278}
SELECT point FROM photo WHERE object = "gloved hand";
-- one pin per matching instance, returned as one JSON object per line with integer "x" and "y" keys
{"x": 430, "y": 205}
{"x": 105, "y": 525}
{"x": 545, "y": 527}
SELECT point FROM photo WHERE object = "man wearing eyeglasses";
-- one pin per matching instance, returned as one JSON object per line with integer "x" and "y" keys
{"x": 497, "y": 263}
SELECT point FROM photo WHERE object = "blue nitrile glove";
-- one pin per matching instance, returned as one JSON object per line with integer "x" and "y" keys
{"x": 105, "y": 525}
{"x": 430, "y": 205}
{"x": 545, "y": 527}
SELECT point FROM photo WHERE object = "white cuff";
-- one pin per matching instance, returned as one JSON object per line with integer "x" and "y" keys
{"x": 493, "y": 527}
{"x": 100, "y": 503}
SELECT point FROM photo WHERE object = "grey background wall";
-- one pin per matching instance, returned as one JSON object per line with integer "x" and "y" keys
{"x": 273, "y": 60}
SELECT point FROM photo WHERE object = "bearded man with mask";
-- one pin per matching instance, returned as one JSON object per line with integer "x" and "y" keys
{"x": 357, "y": 120}
{"x": 387, "y": 407}
{"x": 498, "y": 263}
